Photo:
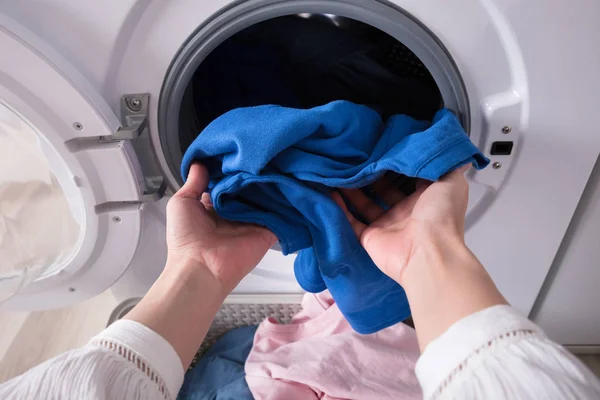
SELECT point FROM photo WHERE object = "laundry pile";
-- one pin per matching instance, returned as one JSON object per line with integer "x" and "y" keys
{"x": 298, "y": 108}
{"x": 316, "y": 356}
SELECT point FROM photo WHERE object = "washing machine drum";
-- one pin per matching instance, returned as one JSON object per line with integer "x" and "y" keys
{"x": 304, "y": 61}
{"x": 307, "y": 62}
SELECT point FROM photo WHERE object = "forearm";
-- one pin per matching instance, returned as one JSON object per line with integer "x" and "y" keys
{"x": 445, "y": 283}
{"x": 180, "y": 306}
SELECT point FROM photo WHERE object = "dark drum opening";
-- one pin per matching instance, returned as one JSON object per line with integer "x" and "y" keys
{"x": 304, "y": 61}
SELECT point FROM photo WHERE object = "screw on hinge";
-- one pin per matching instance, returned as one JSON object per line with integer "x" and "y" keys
{"x": 134, "y": 104}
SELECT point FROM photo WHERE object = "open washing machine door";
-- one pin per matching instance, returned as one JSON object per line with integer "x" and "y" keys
{"x": 72, "y": 187}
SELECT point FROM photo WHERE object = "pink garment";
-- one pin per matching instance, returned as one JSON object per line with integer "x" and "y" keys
{"x": 319, "y": 356}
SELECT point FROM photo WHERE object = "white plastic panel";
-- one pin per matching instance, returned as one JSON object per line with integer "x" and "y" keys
{"x": 39, "y": 85}
{"x": 71, "y": 28}
{"x": 518, "y": 236}
{"x": 568, "y": 306}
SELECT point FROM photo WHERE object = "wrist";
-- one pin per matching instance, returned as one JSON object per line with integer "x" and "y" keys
{"x": 436, "y": 250}
{"x": 191, "y": 274}
{"x": 181, "y": 305}
{"x": 444, "y": 283}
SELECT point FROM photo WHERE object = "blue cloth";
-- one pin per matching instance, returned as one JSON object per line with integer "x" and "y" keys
{"x": 219, "y": 375}
{"x": 274, "y": 166}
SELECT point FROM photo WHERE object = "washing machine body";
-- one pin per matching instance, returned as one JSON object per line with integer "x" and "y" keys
{"x": 104, "y": 84}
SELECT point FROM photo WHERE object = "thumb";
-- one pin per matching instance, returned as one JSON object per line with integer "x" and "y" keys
{"x": 196, "y": 183}
{"x": 458, "y": 175}
{"x": 463, "y": 170}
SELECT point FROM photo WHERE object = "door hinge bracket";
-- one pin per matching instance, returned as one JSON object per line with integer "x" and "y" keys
{"x": 134, "y": 120}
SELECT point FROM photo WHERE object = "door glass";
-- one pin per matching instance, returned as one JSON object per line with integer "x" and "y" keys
{"x": 41, "y": 209}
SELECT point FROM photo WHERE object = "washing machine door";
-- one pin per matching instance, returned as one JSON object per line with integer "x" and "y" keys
{"x": 71, "y": 187}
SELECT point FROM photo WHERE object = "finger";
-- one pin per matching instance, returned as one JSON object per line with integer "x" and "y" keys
{"x": 357, "y": 226}
{"x": 206, "y": 201}
{"x": 269, "y": 236}
{"x": 456, "y": 175}
{"x": 255, "y": 231}
{"x": 463, "y": 170}
{"x": 388, "y": 191}
{"x": 366, "y": 207}
{"x": 196, "y": 183}
{"x": 458, "y": 186}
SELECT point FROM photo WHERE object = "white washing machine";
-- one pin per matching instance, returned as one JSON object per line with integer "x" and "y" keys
{"x": 103, "y": 85}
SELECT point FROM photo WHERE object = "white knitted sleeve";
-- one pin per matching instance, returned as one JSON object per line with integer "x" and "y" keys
{"x": 499, "y": 354}
{"x": 125, "y": 361}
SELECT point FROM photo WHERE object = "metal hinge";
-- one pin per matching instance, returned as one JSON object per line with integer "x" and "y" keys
{"x": 134, "y": 118}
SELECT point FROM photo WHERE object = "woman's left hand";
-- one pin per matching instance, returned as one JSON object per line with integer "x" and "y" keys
{"x": 228, "y": 250}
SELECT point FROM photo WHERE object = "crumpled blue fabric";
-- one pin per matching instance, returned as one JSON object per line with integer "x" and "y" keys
{"x": 275, "y": 166}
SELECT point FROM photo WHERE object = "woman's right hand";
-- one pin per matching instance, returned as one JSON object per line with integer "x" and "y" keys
{"x": 432, "y": 216}
{"x": 419, "y": 242}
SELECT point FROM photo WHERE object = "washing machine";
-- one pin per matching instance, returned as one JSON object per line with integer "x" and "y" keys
{"x": 103, "y": 86}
